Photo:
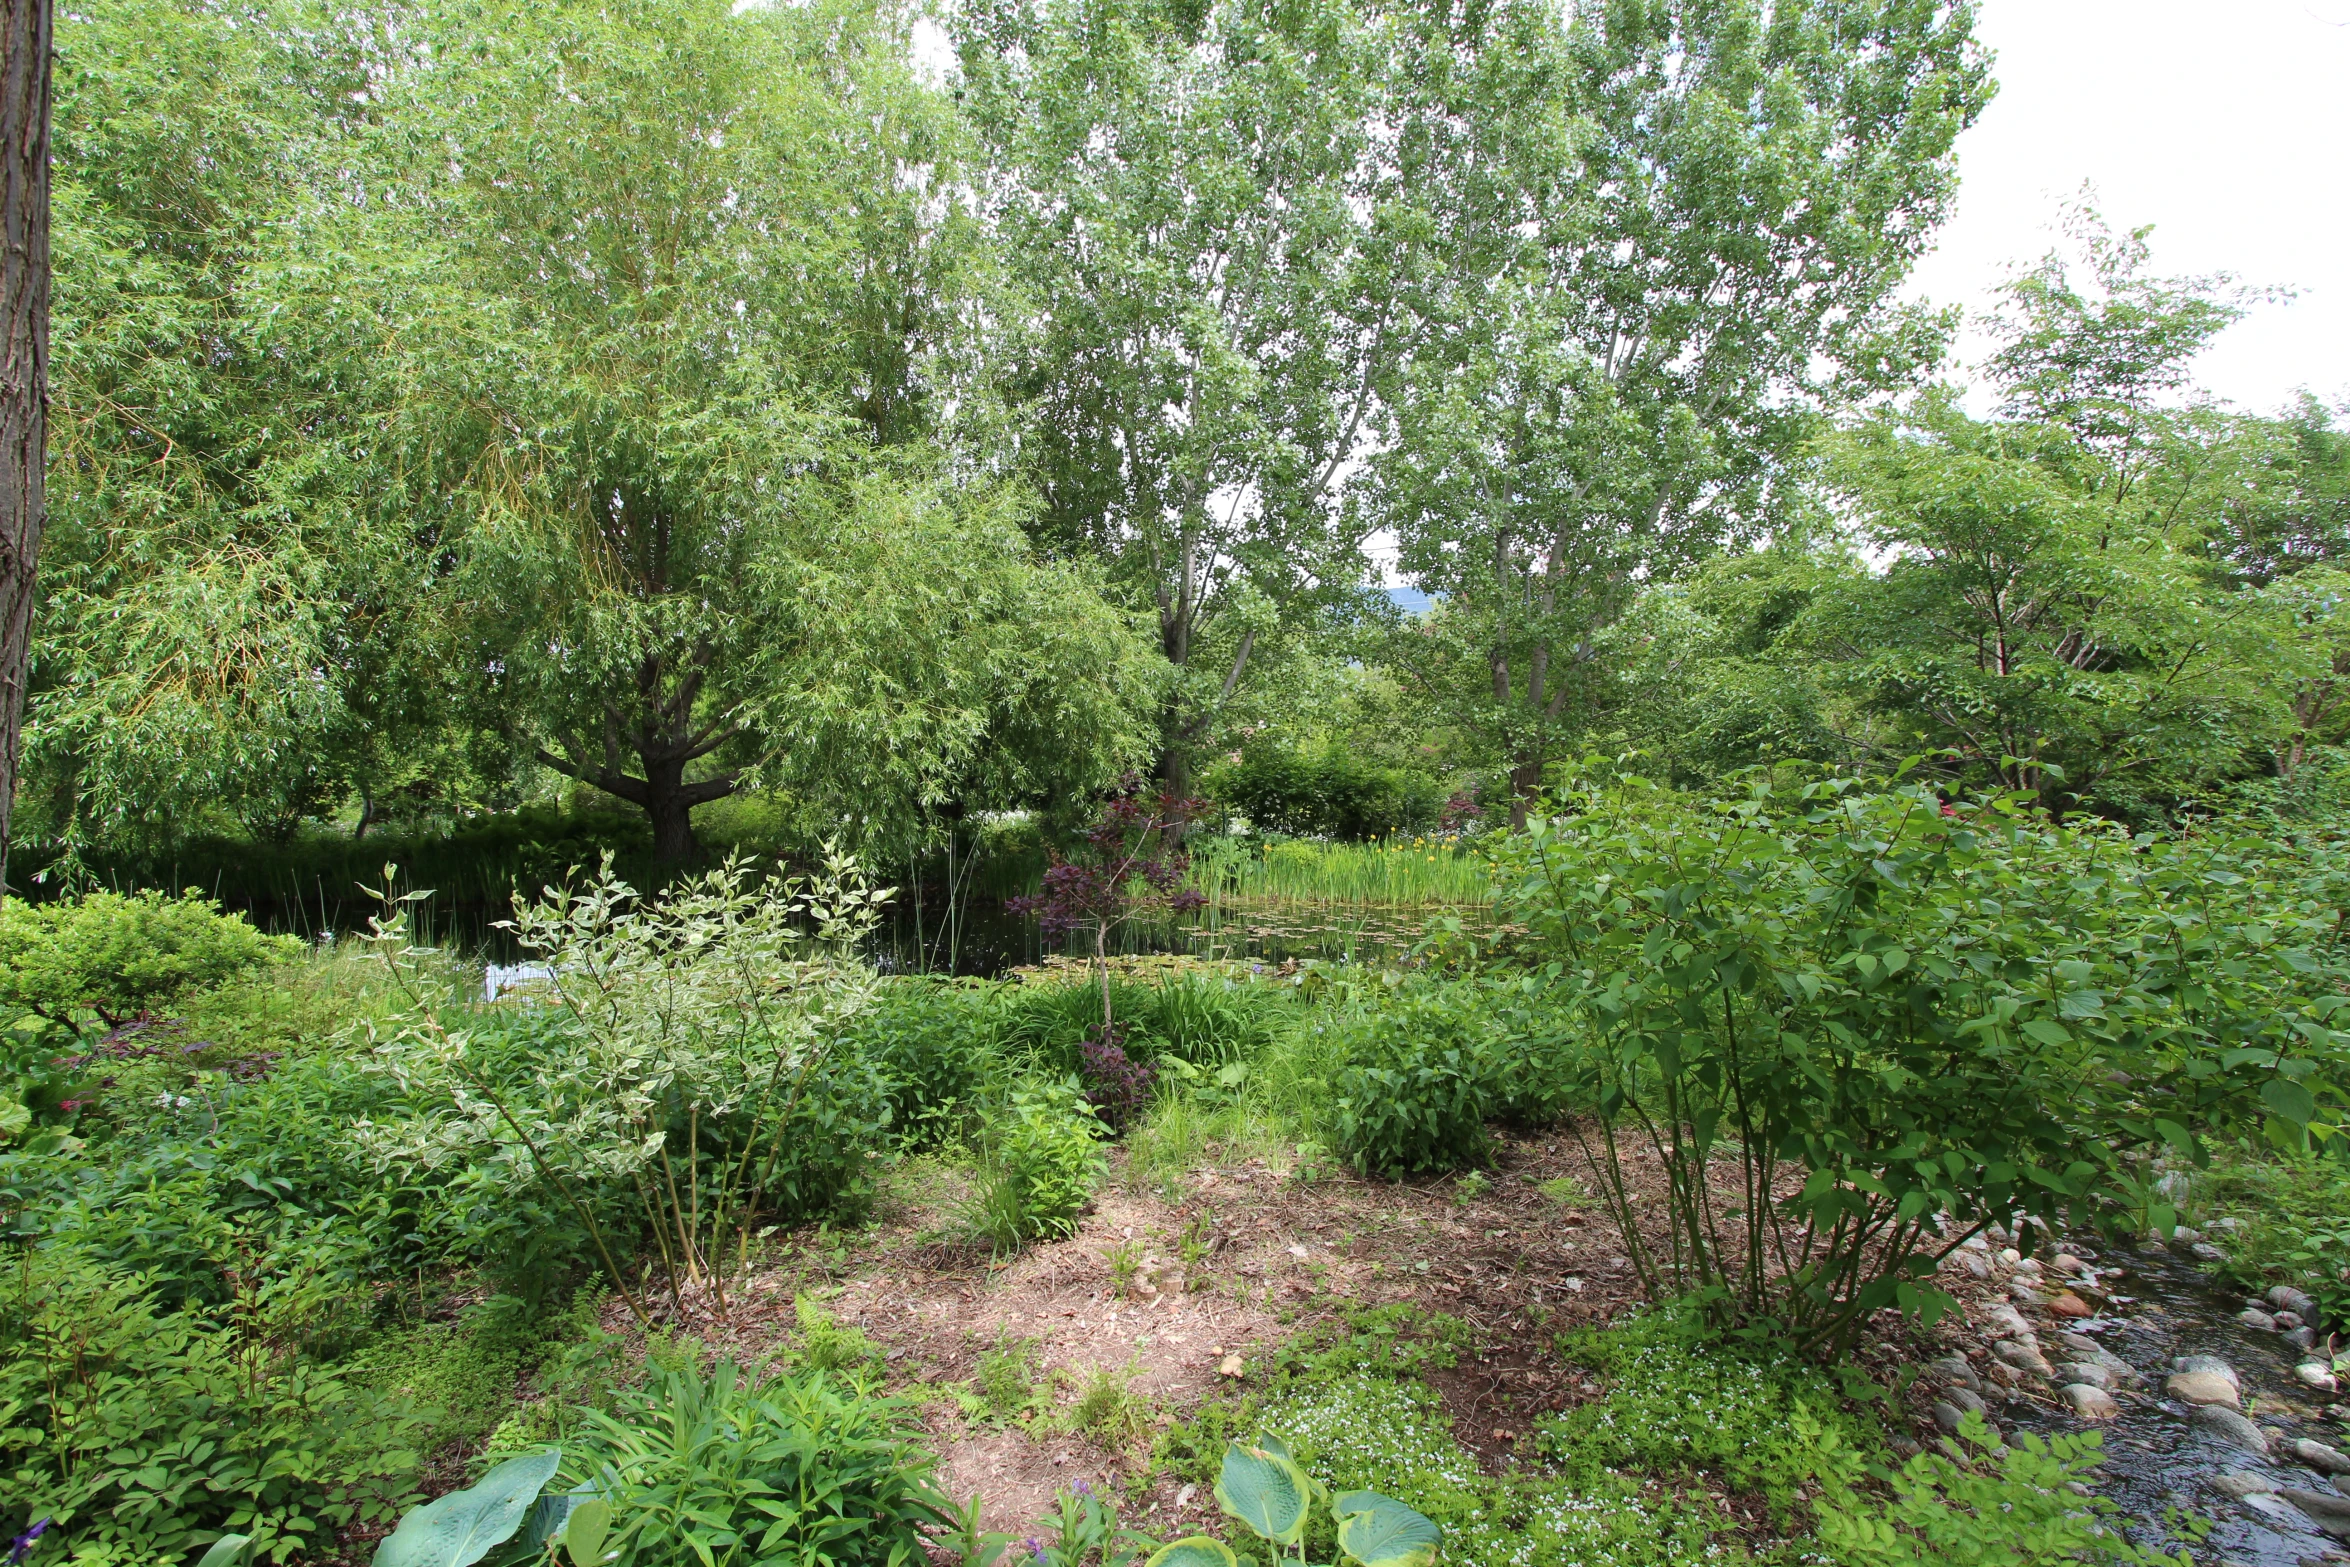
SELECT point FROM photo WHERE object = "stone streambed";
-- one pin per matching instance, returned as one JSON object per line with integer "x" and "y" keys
{"x": 2211, "y": 1402}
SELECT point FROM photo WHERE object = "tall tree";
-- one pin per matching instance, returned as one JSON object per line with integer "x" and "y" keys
{"x": 1671, "y": 231}
{"x": 1201, "y": 225}
{"x": 2048, "y": 611}
{"x": 653, "y": 290}
{"x": 25, "y": 32}
{"x": 210, "y": 600}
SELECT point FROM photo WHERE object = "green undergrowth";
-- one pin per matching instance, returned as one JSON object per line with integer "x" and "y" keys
{"x": 1682, "y": 1406}
{"x": 1682, "y": 1444}
{"x": 2291, "y": 1220}
{"x": 1353, "y": 1402}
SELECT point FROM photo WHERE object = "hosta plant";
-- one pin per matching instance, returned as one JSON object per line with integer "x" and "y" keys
{"x": 1264, "y": 1488}
{"x": 506, "y": 1520}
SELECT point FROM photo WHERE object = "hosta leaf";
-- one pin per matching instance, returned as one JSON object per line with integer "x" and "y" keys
{"x": 1380, "y": 1531}
{"x": 1264, "y": 1489}
{"x": 583, "y": 1532}
{"x": 1198, "y": 1551}
{"x": 464, "y": 1526}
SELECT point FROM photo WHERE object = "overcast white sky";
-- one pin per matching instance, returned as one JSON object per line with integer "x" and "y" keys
{"x": 2224, "y": 123}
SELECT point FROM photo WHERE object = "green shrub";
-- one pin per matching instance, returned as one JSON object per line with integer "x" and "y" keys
{"x": 1418, "y": 1082}
{"x": 933, "y": 1047}
{"x": 1038, "y": 1172}
{"x": 1903, "y": 1010}
{"x": 732, "y": 1470}
{"x": 700, "y": 1066}
{"x": 116, "y": 955}
{"x": 147, "y": 1435}
{"x": 1327, "y": 792}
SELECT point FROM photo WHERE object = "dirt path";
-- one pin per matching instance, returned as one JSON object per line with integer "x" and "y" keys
{"x": 1118, "y": 1300}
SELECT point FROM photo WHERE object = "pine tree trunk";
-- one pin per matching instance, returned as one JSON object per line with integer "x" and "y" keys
{"x": 25, "y": 29}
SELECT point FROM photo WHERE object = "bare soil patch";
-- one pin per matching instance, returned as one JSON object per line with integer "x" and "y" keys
{"x": 1515, "y": 1264}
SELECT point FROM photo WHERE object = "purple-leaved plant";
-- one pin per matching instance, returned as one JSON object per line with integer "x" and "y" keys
{"x": 1130, "y": 862}
{"x": 1116, "y": 1085}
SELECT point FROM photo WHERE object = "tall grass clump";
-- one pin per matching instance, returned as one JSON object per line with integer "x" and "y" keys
{"x": 1392, "y": 873}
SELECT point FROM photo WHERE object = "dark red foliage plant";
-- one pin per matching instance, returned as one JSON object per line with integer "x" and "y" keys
{"x": 1116, "y": 1084}
{"x": 1129, "y": 863}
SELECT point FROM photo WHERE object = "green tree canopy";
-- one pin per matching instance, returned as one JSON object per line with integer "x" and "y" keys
{"x": 1670, "y": 233}
{"x": 1200, "y": 221}
{"x": 649, "y": 297}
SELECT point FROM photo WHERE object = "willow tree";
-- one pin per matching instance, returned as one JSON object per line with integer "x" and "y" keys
{"x": 1670, "y": 232}
{"x": 656, "y": 291}
{"x": 208, "y": 602}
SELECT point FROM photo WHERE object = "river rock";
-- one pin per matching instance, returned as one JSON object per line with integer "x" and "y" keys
{"x": 2201, "y": 1387}
{"x": 2004, "y": 1321}
{"x": 2089, "y": 1402}
{"x": 2316, "y": 1374}
{"x": 1968, "y": 1401}
{"x": 2330, "y": 1513}
{"x": 2087, "y": 1372}
{"x": 2025, "y": 1357}
{"x": 2229, "y": 1426}
{"x": 2286, "y": 1321}
{"x": 2183, "y": 1236}
{"x": 2323, "y": 1459}
{"x": 2068, "y": 1304}
{"x": 2241, "y": 1483}
{"x": 2066, "y": 1262}
{"x": 2211, "y": 1363}
{"x": 1970, "y": 1263}
{"x": 2087, "y": 1351}
{"x": 2286, "y": 1298}
{"x": 1953, "y": 1371}
{"x": 2302, "y": 1337}
{"x": 2010, "y": 1256}
{"x": 2253, "y": 1317}
{"x": 2204, "y": 1251}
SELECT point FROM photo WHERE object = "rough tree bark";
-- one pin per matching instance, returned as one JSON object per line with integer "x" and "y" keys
{"x": 25, "y": 31}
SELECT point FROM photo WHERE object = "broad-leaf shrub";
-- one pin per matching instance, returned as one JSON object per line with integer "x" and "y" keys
{"x": 732, "y": 1470}
{"x": 699, "y": 1071}
{"x": 1329, "y": 792}
{"x": 1039, "y": 1167}
{"x": 114, "y": 955}
{"x": 1418, "y": 1082}
{"x": 146, "y": 1434}
{"x": 1904, "y": 1010}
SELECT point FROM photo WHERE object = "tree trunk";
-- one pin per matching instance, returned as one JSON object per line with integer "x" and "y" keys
{"x": 671, "y": 808}
{"x": 1525, "y": 784}
{"x": 25, "y": 27}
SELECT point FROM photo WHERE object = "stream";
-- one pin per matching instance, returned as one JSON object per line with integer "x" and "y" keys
{"x": 2270, "y": 1502}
